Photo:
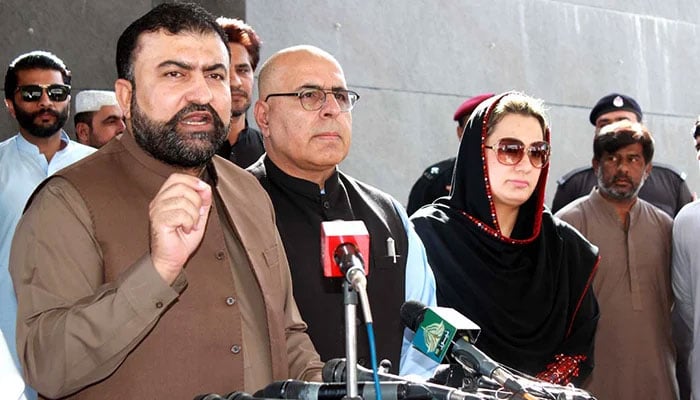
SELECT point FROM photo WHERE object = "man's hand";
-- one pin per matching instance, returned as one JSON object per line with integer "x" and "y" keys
{"x": 178, "y": 216}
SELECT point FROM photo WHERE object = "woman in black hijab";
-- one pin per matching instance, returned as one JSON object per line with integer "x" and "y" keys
{"x": 501, "y": 258}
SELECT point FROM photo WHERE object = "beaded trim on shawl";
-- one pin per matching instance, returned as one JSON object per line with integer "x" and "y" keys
{"x": 486, "y": 228}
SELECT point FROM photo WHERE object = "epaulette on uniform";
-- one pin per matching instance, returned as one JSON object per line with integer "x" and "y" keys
{"x": 436, "y": 169}
{"x": 571, "y": 173}
{"x": 670, "y": 168}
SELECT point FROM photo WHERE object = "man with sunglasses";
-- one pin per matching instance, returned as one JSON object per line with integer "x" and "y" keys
{"x": 37, "y": 95}
{"x": 634, "y": 351}
{"x": 665, "y": 188}
{"x": 153, "y": 269}
{"x": 304, "y": 113}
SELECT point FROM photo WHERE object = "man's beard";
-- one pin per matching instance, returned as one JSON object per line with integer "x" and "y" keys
{"x": 237, "y": 112}
{"x": 182, "y": 149}
{"x": 26, "y": 121}
{"x": 611, "y": 192}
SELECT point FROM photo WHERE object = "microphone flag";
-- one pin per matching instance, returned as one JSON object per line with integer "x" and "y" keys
{"x": 438, "y": 329}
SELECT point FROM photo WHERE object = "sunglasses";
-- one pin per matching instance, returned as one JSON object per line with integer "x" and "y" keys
{"x": 55, "y": 92}
{"x": 509, "y": 151}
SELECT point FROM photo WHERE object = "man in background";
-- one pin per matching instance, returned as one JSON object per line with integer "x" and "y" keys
{"x": 633, "y": 279}
{"x": 665, "y": 188}
{"x": 98, "y": 117}
{"x": 37, "y": 95}
{"x": 243, "y": 145}
{"x": 686, "y": 290}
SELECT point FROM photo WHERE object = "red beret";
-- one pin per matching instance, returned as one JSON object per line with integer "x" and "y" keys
{"x": 470, "y": 104}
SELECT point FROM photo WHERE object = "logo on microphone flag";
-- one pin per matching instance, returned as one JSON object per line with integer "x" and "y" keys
{"x": 434, "y": 336}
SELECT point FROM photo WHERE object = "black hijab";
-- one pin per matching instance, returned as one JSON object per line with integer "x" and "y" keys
{"x": 529, "y": 292}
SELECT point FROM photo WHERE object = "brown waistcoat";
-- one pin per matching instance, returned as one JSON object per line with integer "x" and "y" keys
{"x": 189, "y": 351}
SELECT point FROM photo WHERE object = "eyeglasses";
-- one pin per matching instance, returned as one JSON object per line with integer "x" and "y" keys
{"x": 509, "y": 151}
{"x": 313, "y": 99}
{"x": 55, "y": 92}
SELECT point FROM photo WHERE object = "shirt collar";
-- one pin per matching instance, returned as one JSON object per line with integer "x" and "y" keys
{"x": 298, "y": 185}
{"x": 25, "y": 146}
{"x": 609, "y": 208}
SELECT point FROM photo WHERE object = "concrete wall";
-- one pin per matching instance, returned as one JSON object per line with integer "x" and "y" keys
{"x": 413, "y": 62}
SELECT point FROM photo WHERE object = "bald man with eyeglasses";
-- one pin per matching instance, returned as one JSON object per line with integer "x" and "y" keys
{"x": 37, "y": 95}
{"x": 304, "y": 114}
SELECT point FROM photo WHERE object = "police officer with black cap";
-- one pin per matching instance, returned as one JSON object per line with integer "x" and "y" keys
{"x": 437, "y": 178}
{"x": 665, "y": 187}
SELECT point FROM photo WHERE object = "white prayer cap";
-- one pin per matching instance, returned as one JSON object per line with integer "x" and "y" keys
{"x": 93, "y": 100}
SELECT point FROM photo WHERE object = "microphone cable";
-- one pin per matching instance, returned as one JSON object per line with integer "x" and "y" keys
{"x": 373, "y": 359}
{"x": 369, "y": 323}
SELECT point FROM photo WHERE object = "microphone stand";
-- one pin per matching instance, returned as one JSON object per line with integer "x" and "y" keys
{"x": 350, "y": 302}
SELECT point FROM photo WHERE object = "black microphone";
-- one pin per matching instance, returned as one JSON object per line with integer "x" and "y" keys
{"x": 434, "y": 338}
{"x": 349, "y": 259}
{"x": 353, "y": 236}
{"x": 241, "y": 396}
{"x": 294, "y": 389}
{"x": 209, "y": 396}
{"x": 334, "y": 371}
{"x": 230, "y": 396}
{"x": 342, "y": 246}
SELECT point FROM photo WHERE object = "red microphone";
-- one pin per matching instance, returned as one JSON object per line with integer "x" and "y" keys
{"x": 336, "y": 235}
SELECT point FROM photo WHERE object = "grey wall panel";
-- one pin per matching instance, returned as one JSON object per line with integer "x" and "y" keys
{"x": 394, "y": 135}
{"x": 676, "y": 10}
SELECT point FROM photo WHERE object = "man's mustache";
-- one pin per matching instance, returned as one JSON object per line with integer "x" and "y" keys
{"x": 45, "y": 111}
{"x": 193, "y": 108}
{"x": 239, "y": 92}
{"x": 622, "y": 179}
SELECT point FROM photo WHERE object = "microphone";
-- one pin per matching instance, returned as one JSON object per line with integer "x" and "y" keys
{"x": 230, "y": 396}
{"x": 334, "y": 371}
{"x": 294, "y": 389}
{"x": 342, "y": 246}
{"x": 436, "y": 327}
{"x": 241, "y": 396}
{"x": 349, "y": 259}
